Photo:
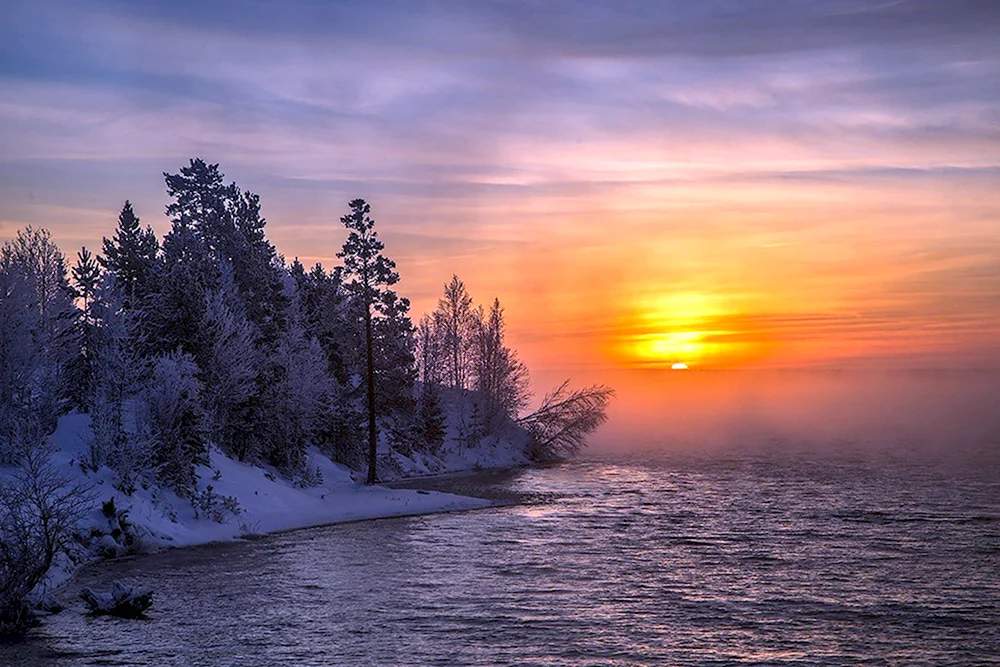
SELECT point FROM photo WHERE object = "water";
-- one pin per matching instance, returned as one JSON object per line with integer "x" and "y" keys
{"x": 777, "y": 559}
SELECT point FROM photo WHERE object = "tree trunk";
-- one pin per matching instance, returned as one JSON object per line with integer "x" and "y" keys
{"x": 372, "y": 431}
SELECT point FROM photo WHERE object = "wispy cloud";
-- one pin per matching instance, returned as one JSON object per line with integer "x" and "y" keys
{"x": 797, "y": 157}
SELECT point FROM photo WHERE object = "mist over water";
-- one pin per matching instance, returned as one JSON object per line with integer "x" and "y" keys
{"x": 935, "y": 414}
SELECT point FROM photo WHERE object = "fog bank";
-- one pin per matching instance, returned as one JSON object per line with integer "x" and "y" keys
{"x": 931, "y": 412}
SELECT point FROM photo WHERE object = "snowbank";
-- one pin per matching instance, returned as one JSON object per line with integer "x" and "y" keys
{"x": 266, "y": 501}
{"x": 237, "y": 501}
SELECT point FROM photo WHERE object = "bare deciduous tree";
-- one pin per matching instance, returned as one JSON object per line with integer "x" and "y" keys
{"x": 39, "y": 511}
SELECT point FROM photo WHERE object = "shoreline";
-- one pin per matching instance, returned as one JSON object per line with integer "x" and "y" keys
{"x": 236, "y": 501}
{"x": 452, "y": 503}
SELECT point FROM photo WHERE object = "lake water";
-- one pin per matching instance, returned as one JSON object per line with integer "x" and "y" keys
{"x": 767, "y": 558}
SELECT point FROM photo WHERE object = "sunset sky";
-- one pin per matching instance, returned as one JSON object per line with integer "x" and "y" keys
{"x": 725, "y": 184}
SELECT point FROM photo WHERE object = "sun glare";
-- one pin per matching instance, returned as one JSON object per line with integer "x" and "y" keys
{"x": 675, "y": 330}
{"x": 669, "y": 348}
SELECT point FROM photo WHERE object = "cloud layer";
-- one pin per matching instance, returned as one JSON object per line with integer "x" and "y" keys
{"x": 821, "y": 174}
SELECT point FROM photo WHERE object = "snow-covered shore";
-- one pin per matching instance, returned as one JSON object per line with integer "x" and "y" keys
{"x": 241, "y": 501}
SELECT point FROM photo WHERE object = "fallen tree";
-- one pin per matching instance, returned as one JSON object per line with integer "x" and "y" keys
{"x": 560, "y": 425}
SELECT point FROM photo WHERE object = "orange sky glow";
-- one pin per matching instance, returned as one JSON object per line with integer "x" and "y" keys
{"x": 728, "y": 200}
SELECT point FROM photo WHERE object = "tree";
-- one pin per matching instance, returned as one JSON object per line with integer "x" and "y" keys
{"x": 229, "y": 368}
{"x": 172, "y": 316}
{"x": 455, "y": 320}
{"x": 228, "y": 223}
{"x": 39, "y": 512}
{"x": 430, "y": 351}
{"x": 36, "y": 302}
{"x": 172, "y": 421}
{"x": 86, "y": 275}
{"x": 118, "y": 372}
{"x": 298, "y": 391}
{"x": 371, "y": 274}
{"x": 130, "y": 254}
{"x": 328, "y": 317}
{"x": 565, "y": 417}
{"x": 499, "y": 376}
{"x": 19, "y": 360}
{"x": 395, "y": 370}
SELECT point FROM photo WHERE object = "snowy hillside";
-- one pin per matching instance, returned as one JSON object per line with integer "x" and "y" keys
{"x": 235, "y": 500}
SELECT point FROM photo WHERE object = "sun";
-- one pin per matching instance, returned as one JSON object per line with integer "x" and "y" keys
{"x": 666, "y": 348}
{"x": 679, "y": 366}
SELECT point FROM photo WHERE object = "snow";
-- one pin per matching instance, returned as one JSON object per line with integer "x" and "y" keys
{"x": 455, "y": 455}
{"x": 263, "y": 500}
{"x": 267, "y": 502}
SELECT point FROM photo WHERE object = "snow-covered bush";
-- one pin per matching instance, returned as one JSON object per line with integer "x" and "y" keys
{"x": 218, "y": 508}
{"x": 39, "y": 511}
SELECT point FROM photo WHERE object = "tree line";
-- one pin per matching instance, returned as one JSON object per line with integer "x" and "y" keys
{"x": 209, "y": 337}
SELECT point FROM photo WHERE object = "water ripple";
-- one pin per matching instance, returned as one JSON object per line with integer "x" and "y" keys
{"x": 665, "y": 561}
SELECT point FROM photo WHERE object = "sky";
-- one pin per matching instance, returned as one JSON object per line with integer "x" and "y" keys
{"x": 746, "y": 184}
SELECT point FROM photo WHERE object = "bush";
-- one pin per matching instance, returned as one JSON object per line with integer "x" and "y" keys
{"x": 39, "y": 512}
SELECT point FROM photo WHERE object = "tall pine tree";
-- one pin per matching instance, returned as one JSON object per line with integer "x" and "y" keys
{"x": 371, "y": 274}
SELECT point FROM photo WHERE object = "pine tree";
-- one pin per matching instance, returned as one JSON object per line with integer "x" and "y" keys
{"x": 172, "y": 316}
{"x": 371, "y": 274}
{"x": 131, "y": 256}
{"x": 394, "y": 344}
{"x": 228, "y": 223}
{"x": 430, "y": 419}
{"x": 86, "y": 275}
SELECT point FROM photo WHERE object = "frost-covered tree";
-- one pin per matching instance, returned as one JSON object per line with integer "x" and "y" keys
{"x": 230, "y": 365}
{"x": 297, "y": 395}
{"x": 455, "y": 322}
{"x": 118, "y": 373}
{"x": 172, "y": 420}
{"x": 39, "y": 340}
{"x": 130, "y": 255}
{"x": 371, "y": 274}
{"x": 327, "y": 313}
{"x": 19, "y": 359}
{"x": 499, "y": 377}
{"x": 39, "y": 512}
{"x": 559, "y": 426}
{"x": 328, "y": 316}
